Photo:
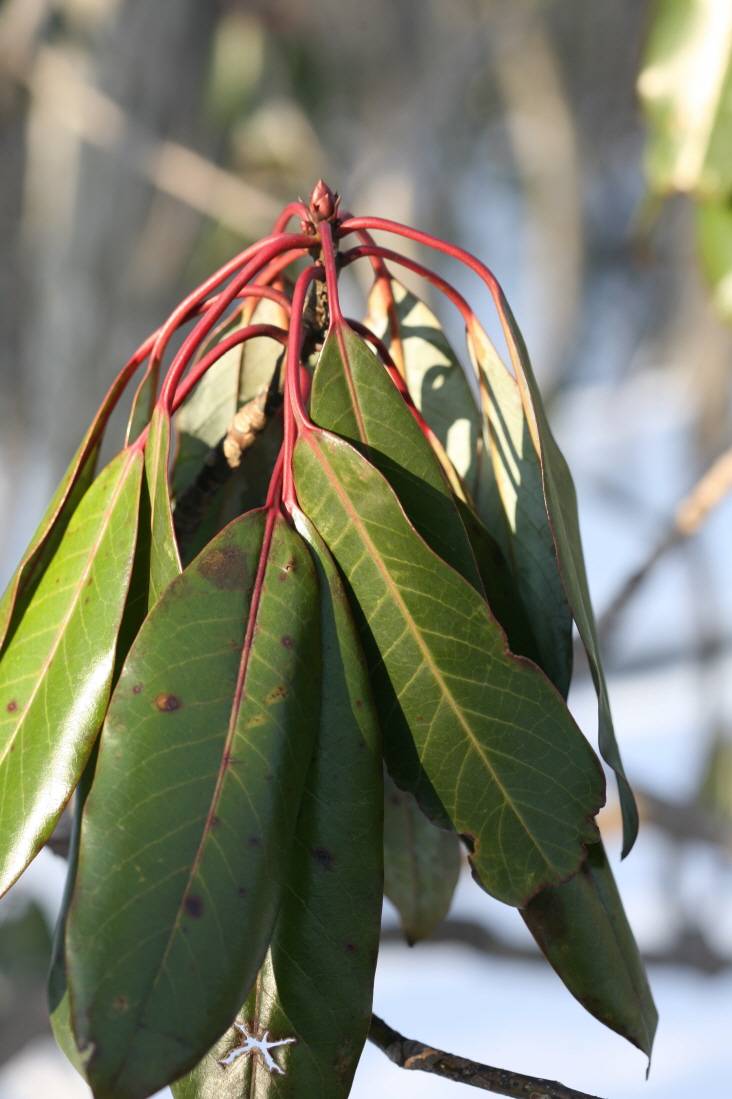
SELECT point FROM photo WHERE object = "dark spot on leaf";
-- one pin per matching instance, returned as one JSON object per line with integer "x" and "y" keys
{"x": 254, "y": 841}
{"x": 90, "y": 581}
{"x": 242, "y": 891}
{"x": 193, "y": 906}
{"x": 395, "y": 799}
{"x": 351, "y": 948}
{"x": 469, "y": 841}
{"x": 276, "y": 694}
{"x": 137, "y": 688}
{"x": 214, "y": 821}
{"x": 12, "y": 706}
{"x": 323, "y": 857}
{"x": 235, "y": 645}
{"x": 120, "y": 1004}
{"x": 286, "y": 570}
{"x": 167, "y": 703}
{"x": 287, "y": 641}
{"x": 224, "y": 567}
{"x": 359, "y": 703}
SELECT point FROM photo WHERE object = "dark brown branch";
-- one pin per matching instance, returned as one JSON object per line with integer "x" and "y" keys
{"x": 410, "y": 1054}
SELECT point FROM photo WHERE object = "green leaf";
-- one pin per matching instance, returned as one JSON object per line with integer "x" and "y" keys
{"x": 421, "y": 865}
{"x": 685, "y": 87}
{"x": 561, "y": 507}
{"x": 316, "y": 984}
{"x": 354, "y": 397}
{"x": 480, "y": 737}
{"x": 164, "y": 558}
{"x": 187, "y": 831}
{"x": 436, "y": 380}
{"x": 714, "y": 234}
{"x": 582, "y": 928}
{"x": 512, "y": 505}
{"x": 56, "y": 673}
{"x": 59, "y": 1007}
{"x": 45, "y": 541}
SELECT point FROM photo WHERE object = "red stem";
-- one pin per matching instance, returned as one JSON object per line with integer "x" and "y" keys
{"x": 292, "y": 210}
{"x": 253, "y": 331}
{"x": 382, "y": 278}
{"x": 419, "y": 269}
{"x": 296, "y": 417}
{"x": 268, "y": 250}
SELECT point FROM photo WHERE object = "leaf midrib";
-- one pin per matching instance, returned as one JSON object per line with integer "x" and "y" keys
{"x": 421, "y": 644}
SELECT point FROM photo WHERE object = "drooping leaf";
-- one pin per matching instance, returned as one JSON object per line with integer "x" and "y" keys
{"x": 480, "y": 737}
{"x": 316, "y": 983}
{"x": 59, "y": 1008}
{"x": 44, "y": 542}
{"x": 512, "y": 505}
{"x": 187, "y": 831}
{"x": 499, "y": 583}
{"x": 685, "y": 87}
{"x": 561, "y": 506}
{"x": 421, "y": 864}
{"x": 435, "y": 379}
{"x": 582, "y": 928}
{"x": 56, "y": 672}
{"x": 164, "y": 558}
{"x": 353, "y": 396}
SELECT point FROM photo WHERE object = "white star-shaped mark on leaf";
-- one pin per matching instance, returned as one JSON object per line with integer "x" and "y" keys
{"x": 254, "y": 1045}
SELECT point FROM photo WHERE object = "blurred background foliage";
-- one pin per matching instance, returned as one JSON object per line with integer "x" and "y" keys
{"x": 584, "y": 149}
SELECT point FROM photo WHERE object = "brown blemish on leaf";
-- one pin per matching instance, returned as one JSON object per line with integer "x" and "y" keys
{"x": 166, "y": 703}
{"x": 351, "y": 948}
{"x": 256, "y": 721}
{"x": 359, "y": 703}
{"x": 193, "y": 906}
{"x": 287, "y": 641}
{"x": 254, "y": 841}
{"x": 137, "y": 689}
{"x": 286, "y": 570}
{"x": 276, "y": 694}
{"x": 214, "y": 821}
{"x": 120, "y": 1004}
{"x": 323, "y": 857}
{"x": 12, "y": 706}
{"x": 242, "y": 891}
{"x": 224, "y": 567}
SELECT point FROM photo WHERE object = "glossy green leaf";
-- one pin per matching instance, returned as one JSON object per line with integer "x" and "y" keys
{"x": 353, "y": 396}
{"x": 714, "y": 235}
{"x": 187, "y": 831}
{"x": 316, "y": 984}
{"x": 55, "y": 674}
{"x": 480, "y": 737}
{"x": 436, "y": 380}
{"x": 685, "y": 87}
{"x": 513, "y": 506}
{"x": 59, "y": 1007}
{"x": 561, "y": 507}
{"x": 164, "y": 558}
{"x": 582, "y": 928}
{"x": 421, "y": 864}
{"x": 45, "y": 541}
